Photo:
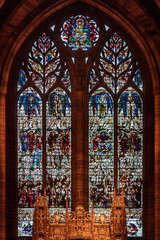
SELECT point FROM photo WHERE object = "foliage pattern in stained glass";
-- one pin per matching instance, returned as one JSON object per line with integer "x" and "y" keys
{"x": 101, "y": 148}
{"x": 130, "y": 152}
{"x": 137, "y": 78}
{"x": 29, "y": 133}
{"x": 22, "y": 79}
{"x": 93, "y": 79}
{"x": 66, "y": 80}
{"x": 44, "y": 63}
{"x": 79, "y": 32}
{"x": 58, "y": 149}
{"x": 115, "y": 63}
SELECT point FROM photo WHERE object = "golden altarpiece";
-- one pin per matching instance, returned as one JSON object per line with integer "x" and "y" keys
{"x": 79, "y": 224}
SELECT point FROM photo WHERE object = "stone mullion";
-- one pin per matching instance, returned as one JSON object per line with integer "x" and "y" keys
{"x": 78, "y": 134}
{"x": 157, "y": 166}
{"x": 2, "y": 166}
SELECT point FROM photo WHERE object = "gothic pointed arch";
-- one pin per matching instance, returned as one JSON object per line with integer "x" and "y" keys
{"x": 69, "y": 79}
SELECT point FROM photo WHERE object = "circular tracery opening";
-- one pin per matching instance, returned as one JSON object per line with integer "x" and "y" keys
{"x": 79, "y": 32}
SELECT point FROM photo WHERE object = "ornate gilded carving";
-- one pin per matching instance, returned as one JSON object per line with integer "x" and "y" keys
{"x": 79, "y": 224}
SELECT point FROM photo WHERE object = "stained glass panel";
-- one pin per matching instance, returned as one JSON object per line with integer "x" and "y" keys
{"x": 101, "y": 148}
{"x": 22, "y": 79}
{"x": 116, "y": 63}
{"x": 58, "y": 149}
{"x": 44, "y": 63}
{"x": 66, "y": 80}
{"x": 79, "y": 32}
{"x": 93, "y": 79}
{"x": 29, "y": 133}
{"x": 137, "y": 78}
{"x": 130, "y": 152}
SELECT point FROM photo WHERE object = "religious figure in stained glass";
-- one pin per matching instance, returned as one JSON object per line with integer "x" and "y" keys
{"x": 58, "y": 173}
{"x": 79, "y": 32}
{"x": 29, "y": 132}
{"x": 101, "y": 145}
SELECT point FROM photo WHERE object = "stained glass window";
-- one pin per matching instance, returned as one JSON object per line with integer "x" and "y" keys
{"x": 22, "y": 79}
{"x": 29, "y": 133}
{"x": 101, "y": 148}
{"x": 44, "y": 63}
{"x": 43, "y": 132}
{"x": 130, "y": 154}
{"x": 115, "y": 126}
{"x": 58, "y": 139}
{"x": 66, "y": 80}
{"x": 116, "y": 63}
{"x": 93, "y": 79}
{"x": 116, "y": 137}
{"x": 79, "y": 32}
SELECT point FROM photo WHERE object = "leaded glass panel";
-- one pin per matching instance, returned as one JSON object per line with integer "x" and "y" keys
{"x": 137, "y": 78}
{"x": 79, "y": 32}
{"x": 93, "y": 79}
{"x": 115, "y": 63}
{"x": 22, "y": 79}
{"x": 58, "y": 148}
{"x": 44, "y": 63}
{"x": 29, "y": 132}
{"x": 130, "y": 154}
{"x": 101, "y": 148}
{"x": 66, "y": 80}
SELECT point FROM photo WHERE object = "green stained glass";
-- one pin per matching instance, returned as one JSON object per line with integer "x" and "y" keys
{"x": 79, "y": 32}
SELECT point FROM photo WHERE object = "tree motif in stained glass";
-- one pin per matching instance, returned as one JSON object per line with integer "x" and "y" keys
{"x": 137, "y": 78}
{"x": 29, "y": 133}
{"x": 79, "y": 32}
{"x": 66, "y": 80}
{"x": 58, "y": 137}
{"x": 22, "y": 79}
{"x": 93, "y": 79}
{"x": 130, "y": 152}
{"x": 101, "y": 148}
{"x": 115, "y": 63}
{"x": 44, "y": 63}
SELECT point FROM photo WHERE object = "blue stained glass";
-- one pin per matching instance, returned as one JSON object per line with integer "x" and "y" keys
{"x": 29, "y": 133}
{"x": 79, "y": 32}
{"x": 22, "y": 79}
{"x": 58, "y": 174}
{"x": 44, "y": 63}
{"x": 115, "y": 63}
{"x": 101, "y": 148}
{"x": 137, "y": 78}
{"x": 93, "y": 79}
{"x": 130, "y": 154}
{"x": 66, "y": 80}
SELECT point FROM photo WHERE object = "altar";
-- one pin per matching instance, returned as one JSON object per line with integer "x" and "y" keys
{"x": 79, "y": 224}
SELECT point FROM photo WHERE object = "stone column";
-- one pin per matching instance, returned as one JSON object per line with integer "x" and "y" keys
{"x": 157, "y": 166}
{"x": 2, "y": 166}
{"x": 78, "y": 133}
